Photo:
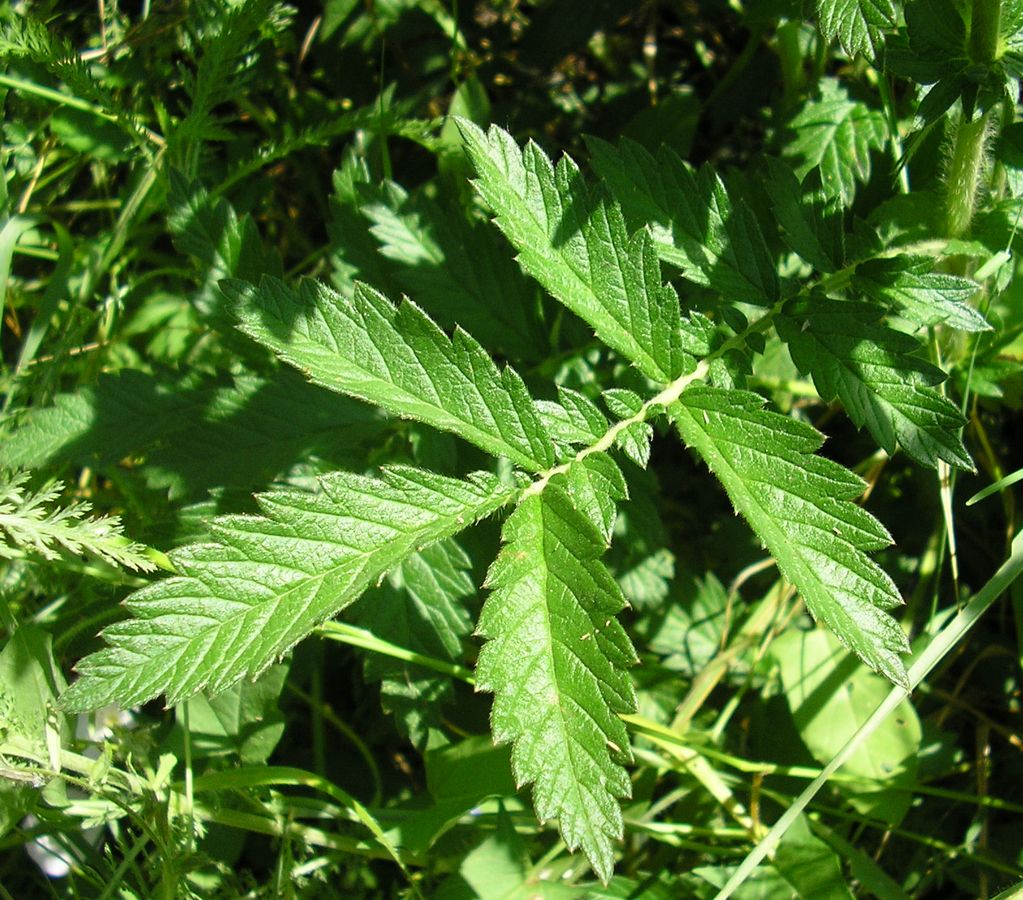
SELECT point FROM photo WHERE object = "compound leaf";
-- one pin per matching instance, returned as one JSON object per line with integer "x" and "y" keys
{"x": 872, "y": 369}
{"x": 266, "y": 581}
{"x": 397, "y": 358}
{"x": 800, "y": 505}
{"x": 556, "y": 659}
{"x": 579, "y": 250}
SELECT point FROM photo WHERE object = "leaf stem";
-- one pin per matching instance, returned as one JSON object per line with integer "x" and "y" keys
{"x": 656, "y": 404}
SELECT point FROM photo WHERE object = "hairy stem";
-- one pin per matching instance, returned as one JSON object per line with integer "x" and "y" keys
{"x": 965, "y": 174}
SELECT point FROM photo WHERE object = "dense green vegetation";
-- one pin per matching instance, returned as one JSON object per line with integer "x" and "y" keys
{"x": 513, "y": 450}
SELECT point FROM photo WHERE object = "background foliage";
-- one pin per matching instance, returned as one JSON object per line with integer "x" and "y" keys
{"x": 776, "y": 223}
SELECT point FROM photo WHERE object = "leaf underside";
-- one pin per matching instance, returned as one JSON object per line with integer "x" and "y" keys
{"x": 858, "y": 24}
{"x": 267, "y": 581}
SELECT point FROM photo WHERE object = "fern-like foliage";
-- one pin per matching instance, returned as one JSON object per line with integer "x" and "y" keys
{"x": 33, "y": 524}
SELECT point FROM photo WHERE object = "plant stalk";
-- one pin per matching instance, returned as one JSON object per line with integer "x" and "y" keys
{"x": 985, "y": 31}
{"x": 965, "y": 173}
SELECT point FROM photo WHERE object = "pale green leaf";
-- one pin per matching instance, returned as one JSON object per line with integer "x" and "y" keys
{"x": 875, "y": 372}
{"x": 266, "y": 581}
{"x": 397, "y": 358}
{"x": 579, "y": 250}
{"x": 34, "y": 523}
{"x": 838, "y": 135}
{"x": 556, "y": 659}
{"x": 801, "y": 506}
{"x": 858, "y": 24}
{"x": 830, "y": 696}
{"x": 695, "y": 224}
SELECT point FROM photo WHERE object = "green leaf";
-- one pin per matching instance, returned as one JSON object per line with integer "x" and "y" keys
{"x": 556, "y": 659}
{"x": 858, "y": 24}
{"x": 831, "y": 696}
{"x": 30, "y": 681}
{"x": 421, "y": 609}
{"x": 837, "y": 134}
{"x": 244, "y": 721}
{"x": 873, "y": 370}
{"x": 923, "y": 297}
{"x": 458, "y": 273}
{"x": 266, "y": 581}
{"x": 811, "y": 223}
{"x": 397, "y": 358}
{"x": 695, "y": 224}
{"x": 800, "y": 505}
{"x": 579, "y": 250}
{"x": 241, "y": 433}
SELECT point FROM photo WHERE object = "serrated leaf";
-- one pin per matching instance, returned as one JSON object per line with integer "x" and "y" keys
{"x": 800, "y": 505}
{"x": 873, "y": 370}
{"x": 266, "y": 581}
{"x": 694, "y": 223}
{"x": 556, "y": 659}
{"x": 397, "y": 358}
{"x": 811, "y": 223}
{"x": 240, "y": 433}
{"x": 925, "y": 298}
{"x": 575, "y": 419}
{"x": 420, "y": 608}
{"x": 837, "y": 134}
{"x": 858, "y": 24}
{"x": 458, "y": 273}
{"x": 579, "y": 250}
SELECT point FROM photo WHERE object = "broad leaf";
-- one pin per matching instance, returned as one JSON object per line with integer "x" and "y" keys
{"x": 266, "y": 581}
{"x": 579, "y": 250}
{"x": 397, "y": 358}
{"x": 695, "y": 224}
{"x": 873, "y": 370}
{"x": 800, "y": 505}
{"x": 241, "y": 433}
{"x": 858, "y": 24}
{"x": 837, "y": 134}
{"x": 811, "y": 223}
{"x": 556, "y": 659}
